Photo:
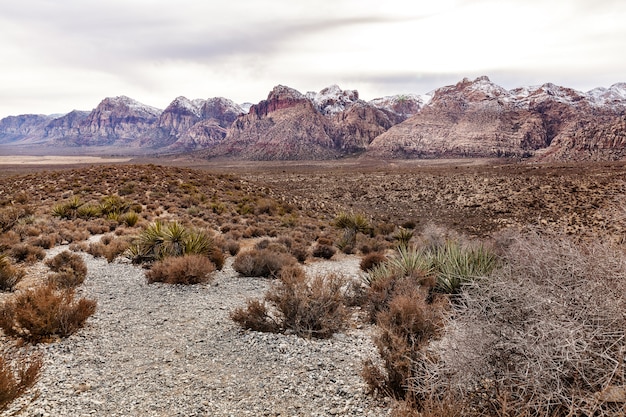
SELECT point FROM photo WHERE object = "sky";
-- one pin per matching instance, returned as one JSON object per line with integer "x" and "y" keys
{"x": 61, "y": 55}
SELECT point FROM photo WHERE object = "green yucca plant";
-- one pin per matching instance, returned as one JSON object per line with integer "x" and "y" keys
{"x": 88, "y": 211}
{"x": 452, "y": 264}
{"x": 114, "y": 204}
{"x": 130, "y": 219}
{"x": 352, "y": 224}
{"x": 456, "y": 265}
{"x": 68, "y": 210}
{"x": 403, "y": 236}
{"x": 159, "y": 240}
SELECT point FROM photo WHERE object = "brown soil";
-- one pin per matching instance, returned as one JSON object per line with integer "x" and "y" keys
{"x": 476, "y": 197}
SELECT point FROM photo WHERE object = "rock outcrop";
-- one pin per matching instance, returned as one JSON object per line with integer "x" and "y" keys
{"x": 480, "y": 119}
{"x": 473, "y": 118}
{"x": 323, "y": 125}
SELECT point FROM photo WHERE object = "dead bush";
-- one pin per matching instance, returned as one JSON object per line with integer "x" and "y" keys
{"x": 409, "y": 322}
{"x": 545, "y": 335}
{"x": 188, "y": 270}
{"x": 371, "y": 260}
{"x": 19, "y": 370}
{"x": 262, "y": 263}
{"x": 323, "y": 251}
{"x": 255, "y": 317}
{"x": 9, "y": 274}
{"x": 232, "y": 247}
{"x": 47, "y": 241}
{"x": 41, "y": 313}
{"x": 108, "y": 247}
{"x": 307, "y": 307}
{"x": 310, "y": 308}
{"x": 70, "y": 269}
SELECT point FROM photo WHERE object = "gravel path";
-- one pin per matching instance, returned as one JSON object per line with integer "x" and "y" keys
{"x": 162, "y": 350}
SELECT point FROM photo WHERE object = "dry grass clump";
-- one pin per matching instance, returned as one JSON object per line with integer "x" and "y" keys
{"x": 408, "y": 316}
{"x": 188, "y": 270}
{"x": 41, "y": 313}
{"x": 372, "y": 260}
{"x": 307, "y": 307}
{"x": 19, "y": 370}
{"x": 323, "y": 251}
{"x": 545, "y": 335}
{"x": 9, "y": 274}
{"x": 108, "y": 247}
{"x": 27, "y": 253}
{"x": 70, "y": 269}
{"x": 262, "y": 262}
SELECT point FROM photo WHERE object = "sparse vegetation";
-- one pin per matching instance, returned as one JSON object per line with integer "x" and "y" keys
{"x": 188, "y": 269}
{"x": 262, "y": 262}
{"x": 9, "y": 274}
{"x": 19, "y": 370}
{"x": 40, "y": 313}
{"x": 351, "y": 224}
{"x": 308, "y": 307}
{"x": 160, "y": 240}
{"x": 70, "y": 269}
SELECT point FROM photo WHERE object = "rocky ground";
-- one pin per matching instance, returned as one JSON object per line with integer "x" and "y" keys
{"x": 474, "y": 197}
{"x": 162, "y": 350}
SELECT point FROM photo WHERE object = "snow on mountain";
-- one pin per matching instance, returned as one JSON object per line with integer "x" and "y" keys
{"x": 332, "y": 99}
{"x": 404, "y": 105}
{"x": 132, "y": 105}
{"x": 614, "y": 95}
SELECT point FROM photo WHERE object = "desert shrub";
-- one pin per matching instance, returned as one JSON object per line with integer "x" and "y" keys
{"x": 40, "y": 313}
{"x": 232, "y": 247}
{"x": 8, "y": 240}
{"x": 70, "y": 269}
{"x": 25, "y": 252}
{"x": 262, "y": 263}
{"x": 323, "y": 251}
{"x": 188, "y": 269}
{"x": 11, "y": 215}
{"x": 371, "y": 260}
{"x": 19, "y": 370}
{"x": 255, "y": 316}
{"x": 46, "y": 241}
{"x": 545, "y": 335}
{"x": 307, "y": 307}
{"x": 299, "y": 251}
{"x": 9, "y": 274}
{"x": 108, "y": 248}
{"x": 409, "y": 321}
{"x": 160, "y": 240}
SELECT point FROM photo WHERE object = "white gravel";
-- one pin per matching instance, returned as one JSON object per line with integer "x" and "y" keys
{"x": 163, "y": 350}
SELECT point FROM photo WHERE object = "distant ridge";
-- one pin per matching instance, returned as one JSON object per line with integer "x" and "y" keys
{"x": 473, "y": 118}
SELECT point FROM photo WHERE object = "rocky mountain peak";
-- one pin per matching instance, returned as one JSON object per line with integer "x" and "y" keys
{"x": 182, "y": 104}
{"x": 123, "y": 104}
{"x": 223, "y": 110}
{"x": 281, "y": 97}
{"x": 332, "y": 99}
{"x": 404, "y": 105}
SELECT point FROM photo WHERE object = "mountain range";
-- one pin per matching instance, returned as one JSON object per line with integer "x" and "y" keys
{"x": 473, "y": 118}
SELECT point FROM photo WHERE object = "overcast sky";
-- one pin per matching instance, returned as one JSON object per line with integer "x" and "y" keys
{"x": 60, "y": 55}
